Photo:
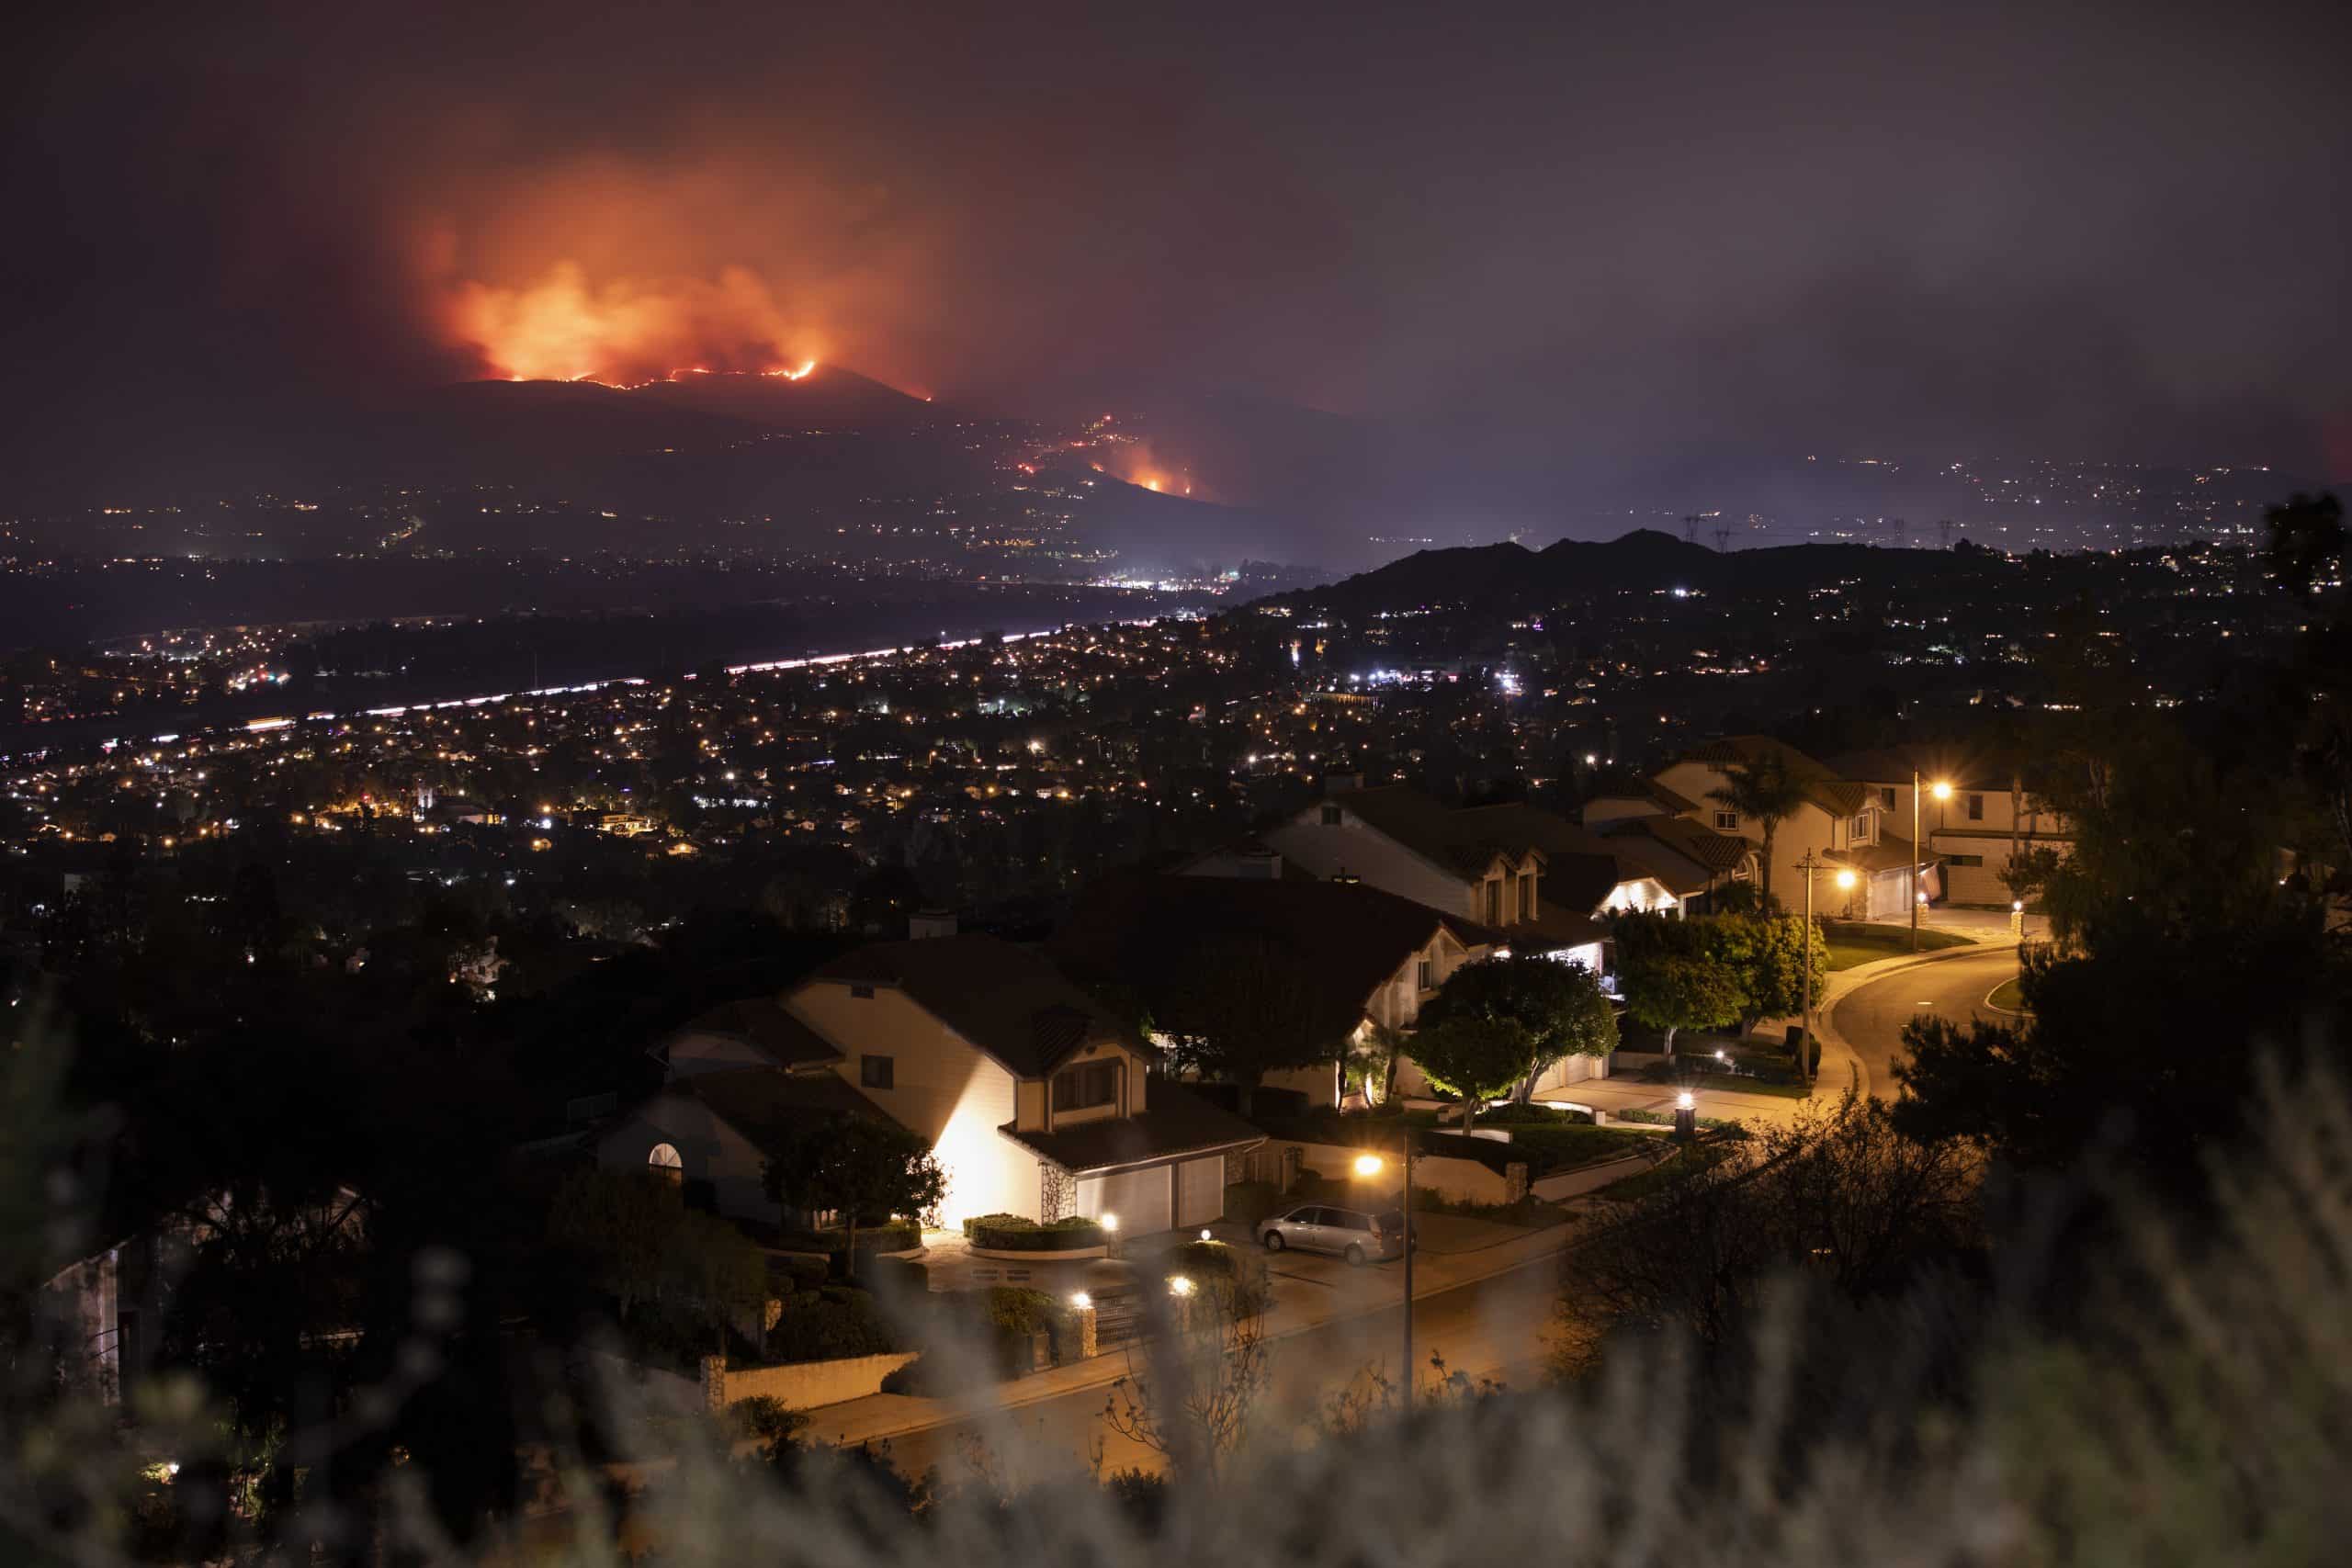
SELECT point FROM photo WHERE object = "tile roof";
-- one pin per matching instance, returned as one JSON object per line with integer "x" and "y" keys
{"x": 1710, "y": 850}
{"x": 1892, "y": 852}
{"x": 1175, "y": 1122}
{"x": 1010, "y": 1001}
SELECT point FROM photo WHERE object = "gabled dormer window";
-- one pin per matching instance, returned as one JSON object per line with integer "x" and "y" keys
{"x": 1086, "y": 1086}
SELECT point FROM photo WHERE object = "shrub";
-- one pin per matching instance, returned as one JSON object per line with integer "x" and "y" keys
{"x": 802, "y": 1272}
{"x": 827, "y": 1323}
{"x": 1066, "y": 1234}
{"x": 768, "y": 1419}
{"x": 898, "y": 1235}
{"x": 997, "y": 1222}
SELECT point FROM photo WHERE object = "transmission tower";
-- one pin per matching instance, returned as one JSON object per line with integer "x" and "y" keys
{"x": 1723, "y": 535}
{"x": 1690, "y": 527}
{"x": 1944, "y": 533}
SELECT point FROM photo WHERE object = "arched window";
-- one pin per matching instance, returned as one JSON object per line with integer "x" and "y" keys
{"x": 665, "y": 1162}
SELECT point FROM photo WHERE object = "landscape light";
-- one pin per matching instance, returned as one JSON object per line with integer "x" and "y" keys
{"x": 1180, "y": 1286}
{"x": 1204, "y": 1233}
{"x": 1080, "y": 1300}
{"x": 1684, "y": 1102}
{"x": 1368, "y": 1165}
{"x": 2018, "y": 905}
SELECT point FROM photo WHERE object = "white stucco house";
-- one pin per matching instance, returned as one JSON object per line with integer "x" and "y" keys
{"x": 1035, "y": 1101}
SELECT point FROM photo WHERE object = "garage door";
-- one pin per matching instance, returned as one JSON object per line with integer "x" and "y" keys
{"x": 1200, "y": 1191}
{"x": 1138, "y": 1197}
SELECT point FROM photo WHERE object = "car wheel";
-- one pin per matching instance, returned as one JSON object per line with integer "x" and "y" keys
{"x": 1273, "y": 1241}
{"x": 1355, "y": 1256}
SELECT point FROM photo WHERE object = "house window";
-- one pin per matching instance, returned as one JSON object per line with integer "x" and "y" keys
{"x": 1425, "y": 976}
{"x": 1976, "y": 809}
{"x": 862, "y": 993}
{"x": 876, "y": 1072}
{"x": 1886, "y": 797}
{"x": 1495, "y": 901}
{"x": 1331, "y": 817}
{"x": 665, "y": 1164}
{"x": 1527, "y": 896}
{"x": 1086, "y": 1086}
{"x": 1964, "y": 859}
{"x": 1862, "y": 829}
{"x": 1727, "y": 821}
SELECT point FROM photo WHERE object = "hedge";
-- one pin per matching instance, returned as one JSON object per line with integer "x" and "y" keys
{"x": 827, "y": 1323}
{"x": 1012, "y": 1233}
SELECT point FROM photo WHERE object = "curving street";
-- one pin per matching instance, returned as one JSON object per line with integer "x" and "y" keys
{"x": 1870, "y": 1017}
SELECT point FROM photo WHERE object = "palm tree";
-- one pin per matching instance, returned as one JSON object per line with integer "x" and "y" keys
{"x": 1766, "y": 788}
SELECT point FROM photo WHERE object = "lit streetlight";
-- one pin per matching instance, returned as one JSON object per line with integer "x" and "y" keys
{"x": 1369, "y": 1164}
{"x": 1941, "y": 789}
{"x": 1846, "y": 884}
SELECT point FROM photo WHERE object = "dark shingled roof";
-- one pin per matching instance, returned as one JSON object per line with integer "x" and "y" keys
{"x": 762, "y": 1022}
{"x": 1346, "y": 939}
{"x": 1010, "y": 1001}
{"x": 750, "y": 1100}
{"x": 1580, "y": 867}
{"x": 1175, "y": 1122}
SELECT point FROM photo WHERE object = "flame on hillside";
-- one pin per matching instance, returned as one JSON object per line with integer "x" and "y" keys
{"x": 629, "y": 330}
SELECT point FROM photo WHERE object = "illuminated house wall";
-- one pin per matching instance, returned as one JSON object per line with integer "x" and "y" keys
{"x": 941, "y": 1088}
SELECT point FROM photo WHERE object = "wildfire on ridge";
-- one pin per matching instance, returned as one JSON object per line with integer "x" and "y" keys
{"x": 628, "y": 332}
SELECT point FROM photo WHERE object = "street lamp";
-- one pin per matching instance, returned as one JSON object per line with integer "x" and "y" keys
{"x": 1846, "y": 884}
{"x": 1371, "y": 1165}
{"x": 1941, "y": 788}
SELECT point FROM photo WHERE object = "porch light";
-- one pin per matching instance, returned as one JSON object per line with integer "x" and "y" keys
{"x": 1204, "y": 1234}
{"x": 1109, "y": 1223}
{"x": 1080, "y": 1300}
{"x": 1846, "y": 880}
{"x": 1180, "y": 1286}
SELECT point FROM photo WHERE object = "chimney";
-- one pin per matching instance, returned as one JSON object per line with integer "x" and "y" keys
{"x": 1340, "y": 783}
{"x": 925, "y": 924}
{"x": 1258, "y": 862}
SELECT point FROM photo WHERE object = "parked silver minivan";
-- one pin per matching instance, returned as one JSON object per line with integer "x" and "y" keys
{"x": 1357, "y": 1234}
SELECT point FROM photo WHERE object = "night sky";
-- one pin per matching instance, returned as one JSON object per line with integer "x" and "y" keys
{"x": 1558, "y": 241}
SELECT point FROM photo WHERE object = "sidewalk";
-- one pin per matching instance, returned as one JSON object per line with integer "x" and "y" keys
{"x": 1307, "y": 1293}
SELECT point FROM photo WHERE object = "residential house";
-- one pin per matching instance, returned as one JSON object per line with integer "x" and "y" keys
{"x": 1035, "y": 1101}
{"x": 1987, "y": 818}
{"x": 1840, "y": 822}
{"x": 1541, "y": 880}
{"x": 1360, "y": 959}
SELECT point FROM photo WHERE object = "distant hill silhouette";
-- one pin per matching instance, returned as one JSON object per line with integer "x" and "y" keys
{"x": 1509, "y": 575}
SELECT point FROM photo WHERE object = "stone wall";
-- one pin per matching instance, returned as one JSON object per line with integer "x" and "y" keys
{"x": 799, "y": 1385}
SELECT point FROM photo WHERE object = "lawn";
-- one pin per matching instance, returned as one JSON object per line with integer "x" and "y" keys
{"x": 2009, "y": 997}
{"x": 1854, "y": 944}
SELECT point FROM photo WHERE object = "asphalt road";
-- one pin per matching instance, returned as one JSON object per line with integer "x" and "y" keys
{"x": 1491, "y": 1329}
{"x": 1872, "y": 1017}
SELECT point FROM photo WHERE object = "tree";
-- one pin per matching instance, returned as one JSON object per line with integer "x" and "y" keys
{"x": 2029, "y": 871}
{"x": 1369, "y": 1064}
{"x": 1475, "y": 1057}
{"x": 1766, "y": 789}
{"x": 1561, "y": 1006}
{"x": 1203, "y": 1376}
{"x": 619, "y": 1222}
{"x": 1247, "y": 1007}
{"x": 866, "y": 1168}
{"x": 1768, "y": 955}
{"x": 1673, "y": 992}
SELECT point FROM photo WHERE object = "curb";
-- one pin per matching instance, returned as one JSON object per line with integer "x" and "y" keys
{"x": 1291, "y": 1333}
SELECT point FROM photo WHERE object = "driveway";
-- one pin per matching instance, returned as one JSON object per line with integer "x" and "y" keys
{"x": 1870, "y": 1017}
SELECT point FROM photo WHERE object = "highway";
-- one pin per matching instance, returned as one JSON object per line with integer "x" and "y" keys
{"x": 1872, "y": 1017}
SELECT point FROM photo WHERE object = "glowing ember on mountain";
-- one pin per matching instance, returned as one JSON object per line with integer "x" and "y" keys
{"x": 629, "y": 330}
